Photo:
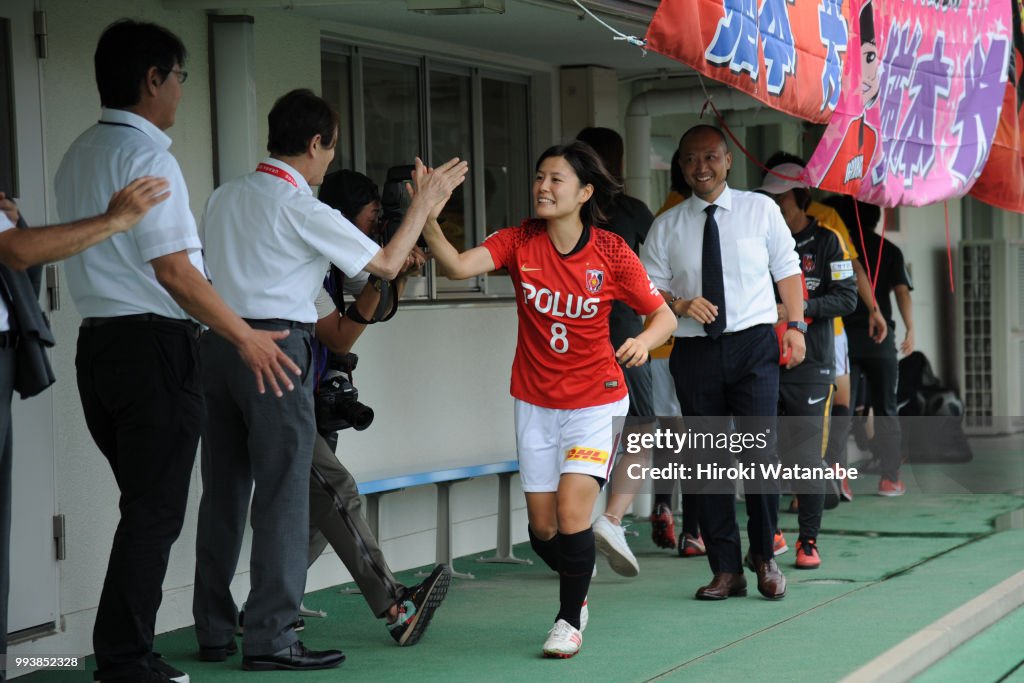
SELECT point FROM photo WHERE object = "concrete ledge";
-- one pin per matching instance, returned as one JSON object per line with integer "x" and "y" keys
{"x": 918, "y": 652}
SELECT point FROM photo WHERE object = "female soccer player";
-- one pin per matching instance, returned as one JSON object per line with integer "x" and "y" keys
{"x": 566, "y": 377}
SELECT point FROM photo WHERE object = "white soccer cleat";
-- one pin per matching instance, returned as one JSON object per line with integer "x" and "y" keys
{"x": 611, "y": 542}
{"x": 584, "y": 616}
{"x": 563, "y": 640}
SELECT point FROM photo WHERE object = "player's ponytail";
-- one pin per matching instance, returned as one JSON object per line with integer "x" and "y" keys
{"x": 590, "y": 171}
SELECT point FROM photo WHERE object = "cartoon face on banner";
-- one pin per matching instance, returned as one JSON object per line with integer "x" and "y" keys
{"x": 869, "y": 64}
{"x": 919, "y": 126}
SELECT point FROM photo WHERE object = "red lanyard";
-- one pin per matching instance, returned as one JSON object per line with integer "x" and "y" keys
{"x": 277, "y": 172}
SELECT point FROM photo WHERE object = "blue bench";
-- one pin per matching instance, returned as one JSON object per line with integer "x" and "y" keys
{"x": 375, "y": 484}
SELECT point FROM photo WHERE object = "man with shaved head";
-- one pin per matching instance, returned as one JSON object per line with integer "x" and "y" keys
{"x": 714, "y": 257}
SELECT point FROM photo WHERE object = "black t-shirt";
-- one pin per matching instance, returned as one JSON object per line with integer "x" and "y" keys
{"x": 892, "y": 271}
{"x": 630, "y": 219}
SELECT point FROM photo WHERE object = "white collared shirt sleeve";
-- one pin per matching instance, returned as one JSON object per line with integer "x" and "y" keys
{"x": 654, "y": 254}
{"x": 168, "y": 227}
{"x": 328, "y": 232}
{"x": 783, "y": 260}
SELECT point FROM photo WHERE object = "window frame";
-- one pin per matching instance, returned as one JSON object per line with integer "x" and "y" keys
{"x": 431, "y": 288}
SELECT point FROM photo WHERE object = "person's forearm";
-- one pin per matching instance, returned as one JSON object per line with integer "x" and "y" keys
{"x": 903, "y": 302}
{"x": 792, "y": 294}
{"x": 662, "y": 323}
{"x": 192, "y": 292}
{"x": 393, "y": 255}
{"x": 339, "y": 333}
{"x": 863, "y": 285}
{"x": 23, "y": 248}
{"x": 840, "y": 298}
{"x": 446, "y": 255}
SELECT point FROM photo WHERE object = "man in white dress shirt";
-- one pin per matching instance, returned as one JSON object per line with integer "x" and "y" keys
{"x": 268, "y": 243}
{"x": 714, "y": 257}
{"x": 138, "y": 363}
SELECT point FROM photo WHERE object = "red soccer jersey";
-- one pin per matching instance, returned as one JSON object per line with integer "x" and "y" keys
{"x": 563, "y": 356}
{"x": 853, "y": 158}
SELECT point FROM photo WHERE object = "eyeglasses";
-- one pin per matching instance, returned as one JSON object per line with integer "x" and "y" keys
{"x": 182, "y": 75}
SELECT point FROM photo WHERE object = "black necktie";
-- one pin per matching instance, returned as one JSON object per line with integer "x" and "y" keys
{"x": 711, "y": 281}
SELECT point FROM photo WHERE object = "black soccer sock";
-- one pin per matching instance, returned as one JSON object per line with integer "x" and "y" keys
{"x": 577, "y": 553}
{"x": 665, "y": 498}
{"x": 838, "y": 435}
{"x": 547, "y": 550}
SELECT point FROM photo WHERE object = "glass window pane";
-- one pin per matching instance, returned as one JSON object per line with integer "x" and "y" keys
{"x": 451, "y": 135}
{"x": 391, "y": 104}
{"x": 507, "y": 169}
{"x": 336, "y": 84}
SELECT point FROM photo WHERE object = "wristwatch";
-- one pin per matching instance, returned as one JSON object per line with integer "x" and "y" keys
{"x": 798, "y": 325}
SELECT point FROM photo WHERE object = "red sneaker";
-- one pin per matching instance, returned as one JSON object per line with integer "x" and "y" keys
{"x": 780, "y": 544}
{"x": 663, "y": 527}
{"x": 845, "y": 492}
{"x": 890, "y": 489}
{"x": 807, "y": 556}
{"x": 691, "y": 546}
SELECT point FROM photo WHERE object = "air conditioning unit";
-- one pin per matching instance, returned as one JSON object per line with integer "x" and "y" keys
{"x": 990, "y": 335}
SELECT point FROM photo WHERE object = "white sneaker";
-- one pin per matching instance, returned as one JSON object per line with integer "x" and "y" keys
{"x": 584, "y": 616}
{"x": 563, "y": 640}
{"x": 611, "y": 542}
{"x": 307, "y": 612}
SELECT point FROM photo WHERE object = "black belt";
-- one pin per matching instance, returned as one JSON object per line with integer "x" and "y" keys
{"x": 281, "y": 324}
{"x": 8, "y": 340}
{"x": 752, "y": 328}
{"x": 140, "y": 318}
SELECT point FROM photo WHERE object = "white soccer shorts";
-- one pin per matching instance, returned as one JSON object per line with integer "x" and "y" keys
{"x": 552, "y": 442}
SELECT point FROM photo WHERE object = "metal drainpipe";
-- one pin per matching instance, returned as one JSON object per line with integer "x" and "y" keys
{"x": 660, "y": 102}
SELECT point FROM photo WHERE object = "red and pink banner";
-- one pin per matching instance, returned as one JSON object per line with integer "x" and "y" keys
{"x": 1002, "y": 182}
{"x": 912, "y": 90}
{"x": 923, "y": 88}
{"x": 786, "y": 53}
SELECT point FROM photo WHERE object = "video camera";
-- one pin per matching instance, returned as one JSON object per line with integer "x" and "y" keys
{"x": 394, "y": 200}
{"x": 337, "y": 399}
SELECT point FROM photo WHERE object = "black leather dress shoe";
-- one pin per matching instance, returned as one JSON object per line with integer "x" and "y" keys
{"x": 724, "y": 585}
{"x": 217, "y": 653}
{"x": 770, "y": 581}
{"x": 294, "y": 657}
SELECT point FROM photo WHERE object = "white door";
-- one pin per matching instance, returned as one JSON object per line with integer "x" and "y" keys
{"x": 33, "y": 601}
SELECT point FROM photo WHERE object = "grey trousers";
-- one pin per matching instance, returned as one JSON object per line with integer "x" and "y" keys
{"x": 259, "y": 445}
{"x": 6, "y": 466}
{"x": 347, "y": 531}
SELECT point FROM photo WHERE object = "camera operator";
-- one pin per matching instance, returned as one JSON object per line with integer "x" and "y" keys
{"x": 335, "y": 509}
